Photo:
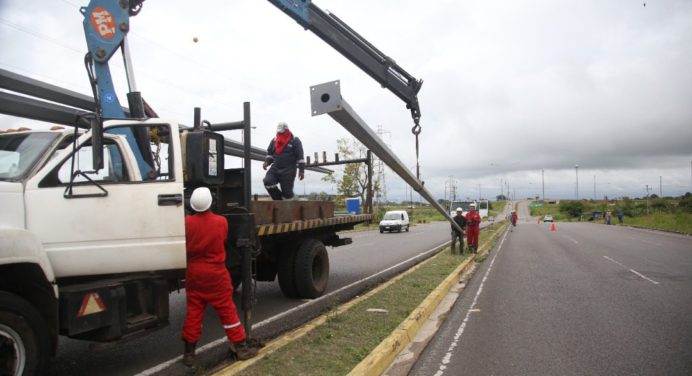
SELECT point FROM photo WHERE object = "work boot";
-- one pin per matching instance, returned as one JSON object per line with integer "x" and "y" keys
{"x": 244, "y": 351}
{"x": 189, "y": 354}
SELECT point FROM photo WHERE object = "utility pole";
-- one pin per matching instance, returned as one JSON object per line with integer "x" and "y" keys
{"x": 594, "y": 187}
{"x": 543, "y": 182}
{"x": 660, "y": 186}
{"x": 480, "y": 196}
{"x": 576, "y": 186}
{"x": 380, "y": 167}
{"x": 647, "y": 199}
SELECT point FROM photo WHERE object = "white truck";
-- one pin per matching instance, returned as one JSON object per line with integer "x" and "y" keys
{"x": 95, "y": 255}
{"x": 481, "y": 207}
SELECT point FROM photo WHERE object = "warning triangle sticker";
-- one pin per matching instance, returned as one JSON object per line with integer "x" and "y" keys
{"x": 91, "y": 304}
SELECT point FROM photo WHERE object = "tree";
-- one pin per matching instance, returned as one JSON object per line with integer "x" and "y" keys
{"x": 501, "y": 197}
{"x": 354, "y": 180}
{"x": 572, "y": 208}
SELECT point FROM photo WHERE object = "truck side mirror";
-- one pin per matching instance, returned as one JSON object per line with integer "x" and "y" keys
{"x": 97, "y": 143}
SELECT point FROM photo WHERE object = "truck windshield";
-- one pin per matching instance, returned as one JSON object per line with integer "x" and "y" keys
{"x": 20, "y": 151}
{"x": 392, "y": 216}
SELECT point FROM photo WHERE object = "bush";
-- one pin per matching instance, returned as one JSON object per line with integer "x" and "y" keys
{"x": 685, "y": 205}
{"x": 572, "y": 208}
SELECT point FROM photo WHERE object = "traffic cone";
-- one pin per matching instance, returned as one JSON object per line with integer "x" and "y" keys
{"x": 552, "y": 227}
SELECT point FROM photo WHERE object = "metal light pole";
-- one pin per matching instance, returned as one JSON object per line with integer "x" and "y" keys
{"x": 594, "y": 187}
{"x": 543, "y": 182}
{"x": 576, "y": 187}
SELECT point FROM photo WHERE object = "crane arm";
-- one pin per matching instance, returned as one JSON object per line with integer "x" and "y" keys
{"x": 357, "y": 49}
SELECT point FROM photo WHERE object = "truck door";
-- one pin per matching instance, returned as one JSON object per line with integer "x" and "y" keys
{"x": 114, "y": 221}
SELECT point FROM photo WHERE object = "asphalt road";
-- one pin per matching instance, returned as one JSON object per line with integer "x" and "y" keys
{"x": 584, "y": 300}
{"x": 371, "y": 259}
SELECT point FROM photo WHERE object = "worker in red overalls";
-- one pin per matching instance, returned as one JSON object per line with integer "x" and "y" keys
{"x": 206, "y": 280}
{"x": 473, "y": 221}
{"x": 514, "y": 217}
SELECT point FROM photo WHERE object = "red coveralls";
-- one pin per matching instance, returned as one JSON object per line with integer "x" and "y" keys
{"x": 206, "y": 280}
{"x": 514, "y": 219}
{"x": 473, "y": 220}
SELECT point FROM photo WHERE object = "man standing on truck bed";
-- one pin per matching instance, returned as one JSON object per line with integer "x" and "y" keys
{"x": 206, "y": 280}
{"x": 473, "y": 221}
{"x": 461, "y": 221}
{"x": 284, "y": 153}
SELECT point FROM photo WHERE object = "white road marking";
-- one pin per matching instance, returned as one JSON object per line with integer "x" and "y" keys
{"x": 472, "y": 309}
{"x": 575, "y": 242}
{"x": 632, "y": 270}
{"x": 168, "y": 363}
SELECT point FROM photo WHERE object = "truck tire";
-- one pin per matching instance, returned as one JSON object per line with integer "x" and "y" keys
{"x": 24, "y": 342}
{"x": 286, "y": 272}
{"x": 312, "y": 269}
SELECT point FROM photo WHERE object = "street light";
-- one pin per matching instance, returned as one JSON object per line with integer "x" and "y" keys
{"x": 576, "y": 188}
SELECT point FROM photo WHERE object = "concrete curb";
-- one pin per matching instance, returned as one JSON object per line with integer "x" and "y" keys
{"x": 377, "y": 362}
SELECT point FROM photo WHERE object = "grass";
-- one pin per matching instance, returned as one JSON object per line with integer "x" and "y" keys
{"x": 337, "y": 346}
{"x": 498, "y": 207}
{"x": 549, "y": 209}
{"x": 678, "y": 222}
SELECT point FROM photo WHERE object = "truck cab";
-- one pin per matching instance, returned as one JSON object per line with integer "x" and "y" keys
{"x": 84, "y": 253}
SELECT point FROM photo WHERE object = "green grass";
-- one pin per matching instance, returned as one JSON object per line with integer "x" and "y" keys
{"x": 549, "y": 209}
{"x": 337, "y": 346}
{"x": 679, "y": 222}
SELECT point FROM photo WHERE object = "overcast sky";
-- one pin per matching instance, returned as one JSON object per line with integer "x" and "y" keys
{"x": 510, "y": 87}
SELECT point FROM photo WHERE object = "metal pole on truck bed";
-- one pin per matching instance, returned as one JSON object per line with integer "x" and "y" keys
{"x": 326, "y": 98}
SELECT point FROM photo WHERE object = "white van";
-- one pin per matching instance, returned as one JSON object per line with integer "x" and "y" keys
{"x": 395, "y": 220}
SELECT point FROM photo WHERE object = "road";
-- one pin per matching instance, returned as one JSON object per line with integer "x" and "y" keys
{"x": 371, "y": 259}
{"x": 584, "y": 300}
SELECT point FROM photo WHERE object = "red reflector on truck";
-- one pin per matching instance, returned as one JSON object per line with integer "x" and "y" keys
{"x": 91, "y": 304}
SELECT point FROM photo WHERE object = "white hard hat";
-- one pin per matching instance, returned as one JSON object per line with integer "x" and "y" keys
{"x": 459, "y": 209}
{"x": 281, "y": 127}
{"x": 473, "y": 205}
{"x": 201, "y": 199}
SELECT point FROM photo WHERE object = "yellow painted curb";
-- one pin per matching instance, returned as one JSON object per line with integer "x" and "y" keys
{"x": 282, "y": 341}
{"x": 401, "y": 336}
{"x": 384, "y": 354}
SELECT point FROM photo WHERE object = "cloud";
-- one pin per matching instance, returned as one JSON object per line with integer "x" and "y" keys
{"x": 510, "y": 87}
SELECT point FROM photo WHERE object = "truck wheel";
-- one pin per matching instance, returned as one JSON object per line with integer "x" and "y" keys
{"x": 24, "y": 342}
{"x": 286, "y": 272}
{"x": 312, "y": 269}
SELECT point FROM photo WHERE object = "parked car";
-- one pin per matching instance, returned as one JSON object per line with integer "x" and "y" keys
{"x": 548, "y": 218}
{"x": 395, "y": 220}
{"x": 491, "y": 219}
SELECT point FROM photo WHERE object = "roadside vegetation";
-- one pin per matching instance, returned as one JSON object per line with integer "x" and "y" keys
{"x": 668, "y": 214}
{"x": 346, "y": 338}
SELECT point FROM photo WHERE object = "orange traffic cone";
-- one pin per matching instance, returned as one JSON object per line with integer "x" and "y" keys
{"x": 552, "y": 227}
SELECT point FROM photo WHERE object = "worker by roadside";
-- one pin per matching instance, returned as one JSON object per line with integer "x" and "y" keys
{"x": 608, "y": 217}
{"x": 284, "y": 153}
{"x": 473, "y": 221}
{"x": 514, "y": 218}
{"x": 620, "y": 215}
{"x": 206, "y": 279}
{"x": 461, "y": 221}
